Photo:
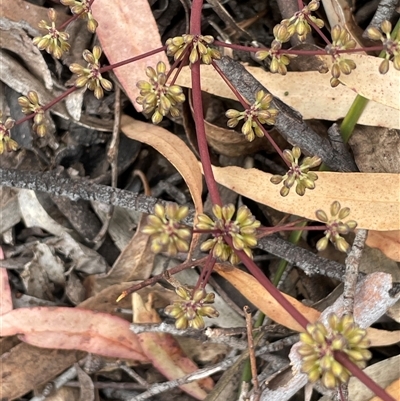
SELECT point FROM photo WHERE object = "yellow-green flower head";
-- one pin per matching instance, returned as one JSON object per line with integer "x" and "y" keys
{"x": 279, "y": 60}
{"x": 341, "y": 40}
{"x": 319, "y": 343}
{"x": 83, "y": 9}
{"x": 166, "y": 232}
{"x": 197, "y": 45}
{"x": 157, "y": 97}
{"x": 6, "y": 143}
{"x": 54, "y": 42}
{"x": 30, "y": 104}
{"x": 190, "y": 310}
{"x": 90, "y": 75}
{"x": 392, "y": 45}
{"x": 335, "y": 227}
{"x": 298, "y": 173}
{"x": 299, "y": 23}
{"x": 242, "y": 230}
{"x": 260, "y": 110}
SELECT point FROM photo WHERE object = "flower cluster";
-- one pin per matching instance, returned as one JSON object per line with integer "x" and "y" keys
{"x": 54, "y": 42}
{"x": 298, "y": 173}
{"x": 157, "y": 97}
{"x": 279, "y": 61}
{"x": 242, "y": 230}
{"x": 198, "y": 45}
{"x": 319, "y": 343}
{"x": 191, "y": 308}
{"x": 30, "y": 104}
{"x": 260, "y": 110}
{"x": 165, "y": 230}
{"x": 83, "y": 9}
{"x": 5, "y": 136}
{"x": 392, "y": 45}
{"x": 335, "y": 227}
{"x": 90, "y": 75}
{"x": 341, "y": 40}
{"x": 299, "y": 23}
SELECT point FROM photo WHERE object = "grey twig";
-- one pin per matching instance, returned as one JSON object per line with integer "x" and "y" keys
{"x": 307, "y": 261}
{"x": 352, "y": 265}
{"x": 289, "y": 122}
{"x": 384, "y": 11}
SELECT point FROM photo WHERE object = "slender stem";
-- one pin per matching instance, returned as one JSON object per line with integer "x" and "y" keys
{"x": 195, "y": 17}
{"x": 201, "y": 135}
{"x": 264, "y": 281}
{"x": 132, "y": 59}
{"x": 362, "y": 376}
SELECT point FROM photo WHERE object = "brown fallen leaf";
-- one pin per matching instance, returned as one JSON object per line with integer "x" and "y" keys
{"x": 127, "y": 29}
{"x": 26, "y": 367}
{"x": 387, "y": 241}
{"x": 73, "y": 328}
{"x": 163, "y": 350}
{"x": 172, "y": 148}
{"x": 372, "y": 198}
{"x": 330, "y": 104}
{"x": 261, "y": 298}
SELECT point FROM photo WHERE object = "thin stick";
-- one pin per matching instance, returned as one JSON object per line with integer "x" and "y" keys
{"x": 252, "y": 357}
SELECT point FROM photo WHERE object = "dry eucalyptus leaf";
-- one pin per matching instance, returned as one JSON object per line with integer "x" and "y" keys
{"x": 173, "y": 149}
{"x": 298, "y": 90}
{"x": 74, "y": 329}
{"x": 367, "y": 81}
{"x": 372, "y": 198}
{"x": 127, "y": 29}
{"x": 386, "y": 241}
{"x": 14, "y": 38}
{"x": 376, "y": 149}
{"x": 261, "y": 298}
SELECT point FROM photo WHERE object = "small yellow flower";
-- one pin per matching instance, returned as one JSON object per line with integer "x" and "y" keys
{"x": 83, "y": 9}
{"x": 30, "y": 104}
{"x": 90, "y": 75}
{"x": 242, "y": 230}
{"x": 198, "y": 45}
{"x": 319, "y": 343}
{"x": 298, "y": 173}
{"x": 259, "y": 110}
{"x": 157, "y": 97}
{"x": 5, "y": 135}
{"x": 341, "y": 40}
{"x": 191, "y": 308}
{"x": 299, "y": 23}
{"x": 55, "y": 42}
{"x": 335, "y": 227}
{"x": 165, "y": 230}
{"x": 392, "y": 45}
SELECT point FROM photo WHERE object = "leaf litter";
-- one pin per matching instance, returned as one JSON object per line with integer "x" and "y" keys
{"x": 66, "y": 270}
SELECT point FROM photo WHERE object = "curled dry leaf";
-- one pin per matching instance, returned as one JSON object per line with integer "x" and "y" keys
{"x": 372, "y": 198}
{"x": 73, "y": 328}
{"x": 386, "y": 241}
{"x": 261, "y": 298}
{"x": 163, "y": 350}
{"x": 330, "y": 104}
{"x": 173, "y": 149}
{"x": 127, "y": 29}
